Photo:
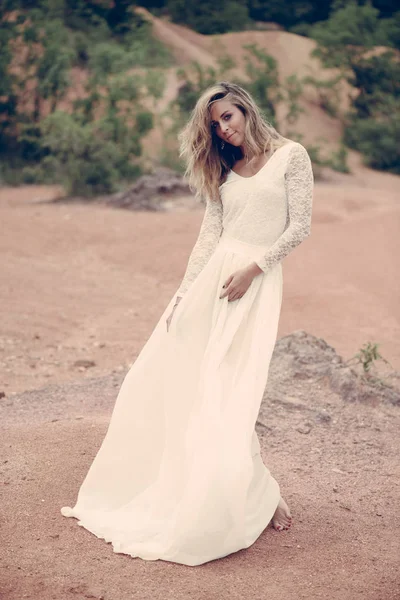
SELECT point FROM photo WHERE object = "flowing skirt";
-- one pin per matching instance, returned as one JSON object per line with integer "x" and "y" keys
{"x": 179, "y": 475}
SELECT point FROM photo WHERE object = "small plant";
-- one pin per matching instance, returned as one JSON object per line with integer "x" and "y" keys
{"x": 263, "y": 80}
{"x": 338, "y": 160}
{"x": 328, "y": 92}
{"x": 293, "y": 89}
{"x": 367, "y": 355}
{"x": 385, "y": 383}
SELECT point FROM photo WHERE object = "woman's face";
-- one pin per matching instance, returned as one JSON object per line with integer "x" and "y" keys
{"x": 228, "y": 122}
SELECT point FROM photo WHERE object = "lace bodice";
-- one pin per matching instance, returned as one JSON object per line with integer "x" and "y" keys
{"x": 271, "y": 208}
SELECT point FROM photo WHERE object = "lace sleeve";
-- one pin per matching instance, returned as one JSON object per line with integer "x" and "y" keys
{"x": 299, "y": 192}
{"x": 210, "y": 231}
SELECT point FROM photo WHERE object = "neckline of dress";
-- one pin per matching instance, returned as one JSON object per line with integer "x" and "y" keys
{"x": 264, "y": 165}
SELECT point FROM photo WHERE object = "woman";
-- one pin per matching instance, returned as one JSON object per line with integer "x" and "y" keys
{"x": 179, "y": 475}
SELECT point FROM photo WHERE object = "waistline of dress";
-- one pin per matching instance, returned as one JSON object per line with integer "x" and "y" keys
{"x": 227, "y": 242}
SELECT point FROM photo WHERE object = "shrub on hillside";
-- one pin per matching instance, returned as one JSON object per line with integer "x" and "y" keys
{"x": 92, "y": 158}
{"x": 347, "y": 41}
{"x": 378, "y": 141}
{"x": 348, "y": 32}
{"x": 209, "y": 17}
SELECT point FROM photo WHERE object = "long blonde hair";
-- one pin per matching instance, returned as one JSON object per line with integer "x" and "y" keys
{"x": 207, "y": 164}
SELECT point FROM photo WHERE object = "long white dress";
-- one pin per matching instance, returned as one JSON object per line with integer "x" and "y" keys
{"x": 179, "y": 475}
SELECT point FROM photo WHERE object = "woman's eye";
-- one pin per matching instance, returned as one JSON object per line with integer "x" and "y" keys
{"x": 225, "y": 117}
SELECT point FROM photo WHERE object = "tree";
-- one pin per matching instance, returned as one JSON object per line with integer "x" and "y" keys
{"x": 347, "y": 41}
{"x": 209, "y": 17}
{"x": 346, "y": 35}
{"x": 8, "y": 92}
{"x": 289, "y": 13}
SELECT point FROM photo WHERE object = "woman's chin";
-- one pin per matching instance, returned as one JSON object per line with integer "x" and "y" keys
{"x": 235, "y": 140}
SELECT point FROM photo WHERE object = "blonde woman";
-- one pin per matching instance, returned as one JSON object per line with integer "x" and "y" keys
{"x": 179, "y": 476}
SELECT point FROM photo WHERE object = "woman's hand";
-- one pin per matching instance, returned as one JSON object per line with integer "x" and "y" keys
{"x": 238, "y": 283}
{"x": 168, "y": 321}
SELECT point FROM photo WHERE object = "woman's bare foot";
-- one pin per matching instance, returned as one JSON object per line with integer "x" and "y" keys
{"x": 282, "y": 518}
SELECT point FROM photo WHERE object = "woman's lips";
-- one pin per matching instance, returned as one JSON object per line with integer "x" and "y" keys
{"x": 231, "y": 135}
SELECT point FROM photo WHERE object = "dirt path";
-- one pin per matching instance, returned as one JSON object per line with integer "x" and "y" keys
{"x": 336, "y": 463}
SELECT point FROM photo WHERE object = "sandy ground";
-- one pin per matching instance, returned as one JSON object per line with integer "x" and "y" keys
{"x": 336, "y": 463}
{"x": 88, "y": 282}
{"x": 85, "y": 282}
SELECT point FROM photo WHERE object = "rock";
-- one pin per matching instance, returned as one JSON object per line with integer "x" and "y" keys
{"x": 323, "y": 417}
{"x": 344, "y": 381}
{"x": 301, "y": 355}
{"x": 305, "y": 428}
{"x": 85, "y": 363}
{"x": 304, "y": 355}
{"x": 150, "y": 191}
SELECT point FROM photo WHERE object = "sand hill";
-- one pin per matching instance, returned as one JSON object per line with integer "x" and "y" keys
{"x": 292, "y": 53}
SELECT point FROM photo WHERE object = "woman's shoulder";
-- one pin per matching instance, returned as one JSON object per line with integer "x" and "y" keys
{"x": 295, "y": 148}
{"x": 295, "y": 157}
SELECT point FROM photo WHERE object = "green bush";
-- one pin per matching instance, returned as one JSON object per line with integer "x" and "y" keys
{"x": 145, "y": 50}
{"x": 338, "y": 160}
{"x": 389, "y": 31}
{"x": 349, "y": 30}
{"x": 301, "y": 29}
{"x": 371, "y": 124}
{"x": 208, "y": 16}
{"x": 106, "y": 58}
{"x": 378, "y": 141}
{"x": 94, "y": 150}
{"x": 44, "y": 173}
{"x": 9, "y": 175}
{"x": 263, "y": 84}
{"x": 85, "y": 158}
{"x": 139, "y": 49}
{"x": 377, "y": 80}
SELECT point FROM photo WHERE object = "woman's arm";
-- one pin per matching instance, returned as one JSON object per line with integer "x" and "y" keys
{"x": 210, "y": 231}
{"x": 299, "y": 190}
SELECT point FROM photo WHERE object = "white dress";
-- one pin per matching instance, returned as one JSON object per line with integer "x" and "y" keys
{"x": 179, "y": 475}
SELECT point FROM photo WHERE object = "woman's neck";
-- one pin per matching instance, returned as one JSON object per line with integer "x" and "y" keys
{"x": 248, "y": 158}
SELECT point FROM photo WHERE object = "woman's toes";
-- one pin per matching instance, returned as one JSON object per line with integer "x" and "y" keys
{"x": 282, "y": 518}
{"x": 281, "y": 526}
